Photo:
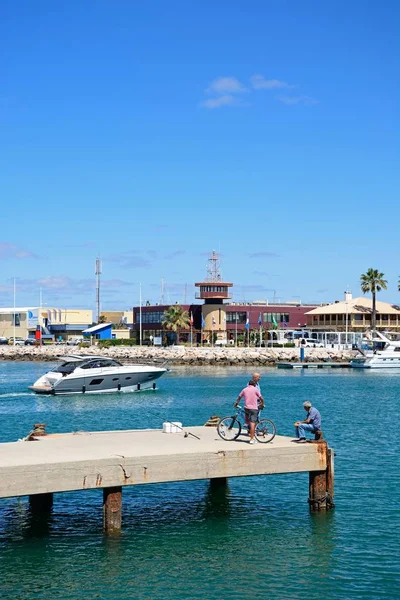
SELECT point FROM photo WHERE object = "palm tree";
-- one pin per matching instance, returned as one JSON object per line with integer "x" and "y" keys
{"x": 176, "y": 318}
{"x": 372, "y": 281}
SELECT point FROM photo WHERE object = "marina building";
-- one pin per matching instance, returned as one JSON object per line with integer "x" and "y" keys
{"x": 117, "y": 317}
{"x": 54, "y": 323}
{"x": 217, "y": 320}
{"x": 353, "y": 315}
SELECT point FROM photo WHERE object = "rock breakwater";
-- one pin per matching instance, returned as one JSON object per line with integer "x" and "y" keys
{"x": 181, "y": 355}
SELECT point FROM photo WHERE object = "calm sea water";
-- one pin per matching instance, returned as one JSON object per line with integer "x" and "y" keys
{"x": 256, "y": 539}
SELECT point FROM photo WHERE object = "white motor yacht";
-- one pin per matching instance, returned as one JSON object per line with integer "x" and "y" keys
{"x": 79, "y": 374}
{"x": 382, "y": 353}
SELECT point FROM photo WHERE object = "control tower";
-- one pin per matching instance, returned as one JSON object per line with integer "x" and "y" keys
{"x": 213, "y": 290}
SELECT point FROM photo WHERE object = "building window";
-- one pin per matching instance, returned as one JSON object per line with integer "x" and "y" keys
{"x": 279, "y": 317}
{"x": 236, "y": 317}
{"x": 155, "y": 316}
{"x": 16, "y": 320}
{"x": 358, "y": 317}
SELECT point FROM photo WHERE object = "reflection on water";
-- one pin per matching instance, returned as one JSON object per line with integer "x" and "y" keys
{"x": 252, "y": 538}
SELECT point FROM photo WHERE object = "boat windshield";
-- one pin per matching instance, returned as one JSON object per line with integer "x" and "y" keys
{"x": 68, "y": 367}
{"x": 379, "y": 345}
{"x": 93, "y": 363}
{"x": 100, "y": 363}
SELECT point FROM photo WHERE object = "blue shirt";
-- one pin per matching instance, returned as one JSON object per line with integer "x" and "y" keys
{"x": 314, "y": 417}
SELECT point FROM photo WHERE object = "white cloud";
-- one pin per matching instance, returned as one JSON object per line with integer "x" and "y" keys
{"x": 59, "y": 284}
{"x": 291, "y": 100}
{"x": 221, "y": 101}
{"x": 228, "y": 91}
{"x": 226, "y": 85}
{"x": 12, "y": 251}
{"x": 259, "y": 82}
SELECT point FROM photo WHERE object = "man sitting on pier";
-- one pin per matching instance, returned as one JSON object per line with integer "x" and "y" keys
{"x": 311, "y": 423}
{"x": 253, "y": 402}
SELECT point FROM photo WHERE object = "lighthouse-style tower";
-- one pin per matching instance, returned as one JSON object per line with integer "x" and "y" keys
{"x": 214, "y": 291}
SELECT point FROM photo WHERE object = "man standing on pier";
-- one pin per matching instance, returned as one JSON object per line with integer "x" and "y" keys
{"x": 256, "y": 377}
{"x": 253, "y": 402}
{"x": 311, "y": 423}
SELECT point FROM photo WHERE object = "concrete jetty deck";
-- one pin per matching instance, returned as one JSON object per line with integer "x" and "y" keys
{"x": 114, "y": 459}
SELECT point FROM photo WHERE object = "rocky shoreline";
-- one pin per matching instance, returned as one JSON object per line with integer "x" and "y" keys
{"x": 181, "y": 355}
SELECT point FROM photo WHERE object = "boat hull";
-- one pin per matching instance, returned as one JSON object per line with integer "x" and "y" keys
{"x": 385, "y": 364}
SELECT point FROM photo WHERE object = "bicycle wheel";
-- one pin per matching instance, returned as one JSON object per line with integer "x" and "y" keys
{"x": 229, "y": 428}
{"x": 265, "y": 431}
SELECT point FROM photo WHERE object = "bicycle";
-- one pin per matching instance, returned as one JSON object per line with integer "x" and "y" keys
{"x": 229, "y": 428}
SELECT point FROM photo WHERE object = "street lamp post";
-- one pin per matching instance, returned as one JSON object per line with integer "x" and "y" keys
{"x": 140, "y": 314}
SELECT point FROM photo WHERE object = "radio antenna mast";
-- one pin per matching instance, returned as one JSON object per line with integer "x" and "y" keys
{"x": 98, "y": 273}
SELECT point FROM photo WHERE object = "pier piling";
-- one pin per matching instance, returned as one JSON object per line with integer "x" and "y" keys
{"x": 321, "y": 483}
{"x": 218, "y": 482}
{"x": 112, "y": 509}
{"x": 330, "y": 476}
{"x": 317, "y": 495}
{"x": 40, "y": 503}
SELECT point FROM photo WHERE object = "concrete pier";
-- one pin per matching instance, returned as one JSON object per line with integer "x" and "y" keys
{"x": 110, "y": 460}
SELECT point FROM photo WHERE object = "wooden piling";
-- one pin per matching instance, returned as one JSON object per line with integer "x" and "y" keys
{"x": 40, "y": 503}
{"x": 112, "y": 509}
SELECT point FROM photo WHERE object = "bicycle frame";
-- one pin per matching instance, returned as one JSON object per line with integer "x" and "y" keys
{"x": 241, "y": 416}
{"x": 229, "y": 428}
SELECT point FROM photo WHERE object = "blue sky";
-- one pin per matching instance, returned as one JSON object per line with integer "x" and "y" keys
{"x": 151, "y": 133}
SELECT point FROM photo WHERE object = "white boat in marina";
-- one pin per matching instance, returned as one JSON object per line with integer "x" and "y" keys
{"x": 383, "y": 353}
{"x": 79, "y": 374}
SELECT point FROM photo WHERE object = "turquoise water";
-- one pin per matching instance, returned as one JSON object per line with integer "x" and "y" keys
{"x": 256, "y": 539}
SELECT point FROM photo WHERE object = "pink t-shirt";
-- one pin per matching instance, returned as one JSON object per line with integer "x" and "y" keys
{"x": 251, "y": 396}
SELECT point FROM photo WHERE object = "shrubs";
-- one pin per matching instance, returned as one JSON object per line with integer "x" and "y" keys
{"x": 111, "y": 343}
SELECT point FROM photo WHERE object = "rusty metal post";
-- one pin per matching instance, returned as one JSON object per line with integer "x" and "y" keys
{"x": 330, "y": 478}
{"x": 321, "y": 482}
{"x": 40, "y": 503}
{"x": 112, "y": 509}
{"x": 317, "y": 491}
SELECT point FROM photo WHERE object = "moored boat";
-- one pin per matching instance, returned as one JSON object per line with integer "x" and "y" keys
{"x": 382, "y": 353}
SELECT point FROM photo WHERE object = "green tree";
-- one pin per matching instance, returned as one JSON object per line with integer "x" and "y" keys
{"x": 372, "y": 281}
{"x": 176, "y": 318}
